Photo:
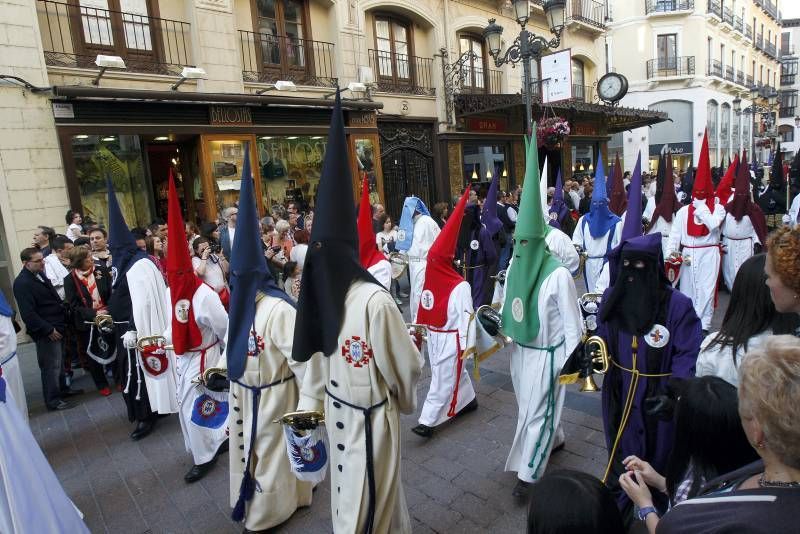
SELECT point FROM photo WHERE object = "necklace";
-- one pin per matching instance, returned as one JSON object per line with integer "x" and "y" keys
{"x": 764, "y": 483}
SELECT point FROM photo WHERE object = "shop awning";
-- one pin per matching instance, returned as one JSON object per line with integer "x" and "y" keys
{"x": 141, "y": 95}
{"x": 618, "y": 119}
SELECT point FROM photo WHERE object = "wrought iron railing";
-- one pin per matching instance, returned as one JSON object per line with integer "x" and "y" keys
{"x": 74, "y": 35}
{"x": 770, "y": 49}
{"x": 714, "y": 68}
{"x": 667, "y": 6}
{"x": 740, "y": 77}
{"x": 715, "y": 8}
{"x": 770, "y": 7}
{"x": 487, "y": 82}
{"x": 727, "y": 16}
{"x": 786, "y": 112}
{"x": 583, "y": 93}
{"x": 401, "y": 73}
{"x": 730, "y": 74}
{"x": 788, "y": 79}
{"x": 672, "y": 66}
{"x": 758, "y": 42}
{"x": 748, "y": 32}
{"x": 748, "y": 81}
{"x": 268, "y": 58}
{"x": 787, "y": 50}
{"x": 591, "y": 12}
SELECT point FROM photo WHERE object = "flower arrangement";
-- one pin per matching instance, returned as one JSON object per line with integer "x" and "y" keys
{"x": 552, "y": 131}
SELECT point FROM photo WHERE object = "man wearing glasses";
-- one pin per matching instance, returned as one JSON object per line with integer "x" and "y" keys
{"x": 42, "y": 312}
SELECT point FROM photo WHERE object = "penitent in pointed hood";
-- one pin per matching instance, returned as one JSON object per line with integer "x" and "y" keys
{"x": 368, "y": 252}
{"x": 121, "y": 243}
{"x": 633, "y": 218}
{"x": 440, "y": 276}
{"x": 742, "y": 204}
{"x": 600, "y": 219}
{"x": 725, "y": 187}
{"x": 532, "y": 261}
{"x": 183, "y": 282}
{"x": 703, "y": 190}
{"x": 618, "y": 202}
{"x": 332, "y": 263}
{"x": 558, "y": 209}
{"x": 489, "y": 216}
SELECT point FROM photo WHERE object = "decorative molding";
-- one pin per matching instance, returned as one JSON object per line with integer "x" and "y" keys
{"x": 223, "y": 6}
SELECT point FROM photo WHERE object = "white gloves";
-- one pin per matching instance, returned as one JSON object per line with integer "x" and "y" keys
{"x": 129, "y": 339}
{"x": 786, "y": 219}
{"x": 699, "y": 205}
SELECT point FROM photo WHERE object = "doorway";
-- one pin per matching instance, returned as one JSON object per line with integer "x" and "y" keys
{"x": 407, "y": 163}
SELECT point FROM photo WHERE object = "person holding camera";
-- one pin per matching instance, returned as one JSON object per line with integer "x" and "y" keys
{"x": 211, "y": 267}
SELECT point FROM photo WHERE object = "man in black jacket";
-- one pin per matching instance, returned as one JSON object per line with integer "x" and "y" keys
{"x": 42, "y": 311}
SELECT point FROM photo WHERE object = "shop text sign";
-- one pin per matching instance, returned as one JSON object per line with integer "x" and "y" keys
{"x": 230, "y": 115}
{"x": 675, "y": 149}
{"x": 584, "y": 129}
{"x": 363, "y": 118}
{"x": 487, "y": 125}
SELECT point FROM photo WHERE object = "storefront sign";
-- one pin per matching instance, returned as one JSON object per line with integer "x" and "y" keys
{"x": 229, "y": 116}
{"x": 487, "y": 125}
{"x": 557, "y": 76}
{"x": 63, "y": 110}
{"x": 584, "y": 129}
{"x": 674, "y": 149}
{"x": 364, "y": 119}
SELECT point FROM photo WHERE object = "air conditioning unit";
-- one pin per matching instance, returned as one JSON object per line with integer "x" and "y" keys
{"x": 365, "y": 75}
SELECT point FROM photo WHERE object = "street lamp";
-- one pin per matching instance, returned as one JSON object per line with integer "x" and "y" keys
{"x": 527, "y": 46}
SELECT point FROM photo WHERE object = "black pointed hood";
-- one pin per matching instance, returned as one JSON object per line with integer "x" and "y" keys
{"x": 332, "y": 262}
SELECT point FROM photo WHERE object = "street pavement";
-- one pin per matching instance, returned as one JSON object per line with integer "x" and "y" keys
{"x": 454, "y": 482}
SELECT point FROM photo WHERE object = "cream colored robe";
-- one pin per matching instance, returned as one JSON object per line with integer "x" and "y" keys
{"x": 280, "y": 492}
{"x": 384, "y": 378}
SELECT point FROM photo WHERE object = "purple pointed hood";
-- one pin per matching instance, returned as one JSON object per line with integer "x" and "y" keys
{"x": 558, "y": 209}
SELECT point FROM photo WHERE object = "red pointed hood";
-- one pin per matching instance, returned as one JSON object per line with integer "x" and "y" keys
{"x": 703, "y": 190}
{"x": 368, "y": 251}
{"x": 725, "y": 187}
{"x": 618, "y": 201}
{"x": 440, "y": 275}
{"x": 742, "y": 205}
{"x": 182, "y": 281}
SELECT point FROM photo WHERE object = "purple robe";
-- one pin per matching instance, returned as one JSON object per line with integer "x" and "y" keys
{"x": 646, "y": 436}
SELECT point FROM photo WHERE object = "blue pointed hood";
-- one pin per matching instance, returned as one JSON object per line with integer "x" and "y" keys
{"x": 633, "y": 217}
{"x": 600, "y": 219}
{"x": 121, "y": 243}
{"x": 406, "y": 234}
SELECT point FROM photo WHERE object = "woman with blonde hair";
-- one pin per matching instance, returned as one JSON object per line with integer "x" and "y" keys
{"x": 783, "y": 269}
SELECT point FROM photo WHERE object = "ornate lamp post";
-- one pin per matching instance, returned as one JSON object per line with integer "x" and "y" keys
{"x": 527, "y": 46}
{"x": 753, "y": 109}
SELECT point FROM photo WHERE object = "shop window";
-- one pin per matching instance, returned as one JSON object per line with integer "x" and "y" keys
{"x": 282, "y": 32}
{"x": 474, "y": 68}
{"x": 393, "y": 47}
{"x": 483, "y": 162}
{"x": 120, "y": 158}
{"x": 290, "y": 167}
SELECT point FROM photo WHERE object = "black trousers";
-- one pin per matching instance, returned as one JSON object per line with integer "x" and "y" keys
{"x": 94, "y": 368}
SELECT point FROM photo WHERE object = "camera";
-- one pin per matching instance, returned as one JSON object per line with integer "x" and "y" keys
{"x": 215, "y": 248}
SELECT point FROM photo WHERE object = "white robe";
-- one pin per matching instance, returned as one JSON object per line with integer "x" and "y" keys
{"x": 425, "y": 232}
{"x": 793, "y": 211}
{"x": 31, "y": 497}
{"x": 281, "y": 493}
{"x": 151, "y": 317}
{"x": 699, "y": 279}
{"x": 202, "y": 439}
{"x": 382, "y": 271}
{"x": 534, "y": 372}
{"x": 449, "y": 377}
{"x": 738, "y": 239}
{"x": 382, "y": 376}
{"x": 660, "y": 225}
{"x": 561, "y": 247}
{"x": 595, "y": 249}
{"x": 9, "y": 362}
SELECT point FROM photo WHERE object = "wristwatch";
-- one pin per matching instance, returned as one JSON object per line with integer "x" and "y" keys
{"x": 642, "y": 513}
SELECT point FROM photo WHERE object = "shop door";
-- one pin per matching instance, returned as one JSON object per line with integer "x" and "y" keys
{"x": 407, "y": 162}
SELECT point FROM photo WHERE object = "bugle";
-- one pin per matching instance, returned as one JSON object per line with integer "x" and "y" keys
{"x": 302, "y": 420}
{"x": 492, "y": 322}
{"x": 399, "y": 264}
{"x": 500, "y": 277}
{"x": 213, "y": 378}
{"x": 152, "y": 344}
{"x": 104, "y": 322}
{"x": 596, "y": 354}
{"x": 581, "y": 261}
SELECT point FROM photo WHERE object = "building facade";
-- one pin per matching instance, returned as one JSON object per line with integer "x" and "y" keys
{"x": 696, "y": 60}
{"x": 789, "y": 114}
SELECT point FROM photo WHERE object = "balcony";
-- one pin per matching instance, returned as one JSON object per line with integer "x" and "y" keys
{"x": 748, "y": 32}
{"x": 73, "y": 36}
{"x": 786, "y": 112}
{"x": 267, "y": 58}
{"x": 740, "y": 77}
{"x": 727, "y": 16}
{"x": 670, "y": 67}
{"x": 729, "y": 74}
{"x": 787, "y": 50}
{"x": 714, "y": 68}
{"x": 788, "y": 79}
{"x": 759, "y": 42}
{"x": 475, "y": 80}
{"x": 401, "y": 73}
{"x": 769, "y": 7}
{"x": 666, "y": 7}
{"x": 589, "y": 14}
{"x": 714, "y": 7}
{"x": 770, "y": 49}
{"x": 583, "y": 93}
{"x": 748, "y": 81}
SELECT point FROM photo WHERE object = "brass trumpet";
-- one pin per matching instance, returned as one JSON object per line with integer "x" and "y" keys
{"x": 596, "y": 352}
{"x": 302, "y": 420}
{"x": 418, "y": 329}
{"x": 211, "y": 375}
{"x": 500, "y": 277}
{"x": 104, "y": 322}
{"x": 151, "y": 343}
{"x": 492, "y": 322}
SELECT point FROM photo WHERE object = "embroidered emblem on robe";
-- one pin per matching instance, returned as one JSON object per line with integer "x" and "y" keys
{"x": 356, "y": 352}
{"x": 209, "y": 413}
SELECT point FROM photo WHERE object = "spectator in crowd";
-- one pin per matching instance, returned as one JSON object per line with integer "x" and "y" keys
{"x": 377, "y": 213}
{"x": 295, "y": 216}
{"x": 141, "y": 235}
{"x": 309, "y": 221}
{"x": 282, "y": 238}
{"x": 42, "y": 312}
{"x": 291, "y": 279}
{"x": 783, "y": 269}
{"x": 210, "y": 231}
{"x": 278, "y": 213}
{"x": 192, "y": 233}
{"x": 88, "y": 289}
{"x": 386, "y": 240}
{"x": 43, "y": 238}
{"x": 74, "y": 225}
{"x": 56, "y": 265}
{"x": 211, "y": 268}
{"x": 572, "y": 502}
{"x": 750, "y": 318}
{"x": 706, "y": 417}
{"x": 154, "y": 247}
{"x": 83, "y": 241}
{"x": 98, "y": 238}
{"x": 299, "y": 250}
{"x": 158, "y": 228}
{"x": 762, "y": 497}
{"x": 228, "y": 231}
{"x": 575, "y": 196}
{"x": 585, "y": 203}
{"x": 439, "y": 214}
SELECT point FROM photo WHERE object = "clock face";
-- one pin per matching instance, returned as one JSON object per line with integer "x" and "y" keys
{"x": 612, "y": 87}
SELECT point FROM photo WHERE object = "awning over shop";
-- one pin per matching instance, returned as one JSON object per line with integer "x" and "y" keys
{"x": 618, "y": 119}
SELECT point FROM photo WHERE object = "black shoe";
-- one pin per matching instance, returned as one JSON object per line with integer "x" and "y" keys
{"x": 60, "y": 405}
{"x": 143, "y": 428}
{"x": 471, "y": 407}
{"x": 521, "y": 489}
{"x": 423, "y": 430}
{"x": 199, "y": 471}
{"x": 223, "y": 448}
{"x": 71, "y": 392}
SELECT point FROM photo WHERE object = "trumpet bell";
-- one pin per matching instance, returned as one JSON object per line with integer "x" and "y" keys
{"x": 303, "y": 419}
{"x": 152, "y": 343}
{"x": 399, "y": 264}
{"x": 589, "y": 385}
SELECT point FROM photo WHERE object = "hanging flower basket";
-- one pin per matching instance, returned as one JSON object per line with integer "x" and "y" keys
{"x": 551, "y": 131}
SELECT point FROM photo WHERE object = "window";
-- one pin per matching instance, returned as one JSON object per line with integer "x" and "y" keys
{"x": 785, "y": 48}
{"x": 106, "y": 29}
{"x": 724, "y": 131}
{"x": 280, "y": 26}
{"x": 667, "y": 51}
{"x": 474, "y": 69}
{"x": 578, "y": 87}
{"x": 711, "y": 110}
{"x": 787, "y": 133}
{"x": 722, "y": 54}
{"x": 393, "y": 48}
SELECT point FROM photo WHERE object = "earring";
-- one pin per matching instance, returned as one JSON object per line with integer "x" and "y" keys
{"x": 760, "y": 444}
